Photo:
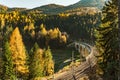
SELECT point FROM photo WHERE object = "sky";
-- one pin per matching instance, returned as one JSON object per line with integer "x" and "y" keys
{"x": 35, "y": 3}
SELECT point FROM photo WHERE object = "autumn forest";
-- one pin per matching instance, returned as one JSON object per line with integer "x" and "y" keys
{"x": 35, "y": 45}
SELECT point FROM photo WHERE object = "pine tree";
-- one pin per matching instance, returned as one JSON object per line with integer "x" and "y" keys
{"x": 36, "y": 64}
{"x": 107, "y": 41}
{"x": 48, "y": 62}
{"x": 8, "y": 65}
{"x": 19, "y": 56}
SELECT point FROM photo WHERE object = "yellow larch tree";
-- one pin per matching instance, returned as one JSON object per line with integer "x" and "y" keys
{"x": 53, "y": 33}
{"x": 43, "y": 31}
{"x": 19, "y": 55}
{"x": 63, "y": 38}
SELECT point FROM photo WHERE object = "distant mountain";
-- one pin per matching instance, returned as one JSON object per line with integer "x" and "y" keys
{"x": 48, "y": 9}
{"x": 85, "y": 6}
{"x": 94, "y": 5}
{"x": 81, "y": 7}
{"x": 89, "y": 3}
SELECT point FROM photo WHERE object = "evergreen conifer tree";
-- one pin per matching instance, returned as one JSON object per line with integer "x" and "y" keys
{"x": 8, "y": 65}
{"x": 107, "y": 41}
{"x": 36, "y": 64}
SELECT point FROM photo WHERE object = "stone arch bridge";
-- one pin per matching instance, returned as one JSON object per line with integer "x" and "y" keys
{"x": 83, "y": 48}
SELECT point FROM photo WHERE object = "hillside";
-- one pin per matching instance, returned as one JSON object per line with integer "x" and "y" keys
{"x": 17, "y": 9}
{"x": 90, "y": 5}
{"x": 48, "y": 9}
{"x": 3, "y": 8}
{"x": 49, "y": 6}
{"x": 7, "y": 9}
{"x": 79, "y": 8}
{"x": 83, "y": 11}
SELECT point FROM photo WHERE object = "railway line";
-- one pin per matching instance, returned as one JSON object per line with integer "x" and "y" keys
{"x": 75, "y": 73}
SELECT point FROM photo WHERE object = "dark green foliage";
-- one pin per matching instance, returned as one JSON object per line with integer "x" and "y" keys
{"x": 33, "y": 49}
{"x": 76, "y": 26}
{"x": 108, "y": 41}
{"x": 8, "y": 65}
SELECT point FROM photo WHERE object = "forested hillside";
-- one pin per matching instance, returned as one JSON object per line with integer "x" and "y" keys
{"x": 3, "y": 8}
{"x": 34, "y": 42}
{"x": 81, "y": 6}
{"x": 30, "y": 35}
{"x": 89, "y": 3}
{"x": 39, "y": 35}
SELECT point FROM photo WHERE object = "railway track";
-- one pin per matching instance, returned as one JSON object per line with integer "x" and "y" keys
{"x": 75, "y": 73}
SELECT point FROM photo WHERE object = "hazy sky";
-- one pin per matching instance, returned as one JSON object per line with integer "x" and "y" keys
{"x": 35, "y": 3}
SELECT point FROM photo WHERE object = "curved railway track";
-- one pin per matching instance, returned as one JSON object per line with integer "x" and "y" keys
{"x": 77, "y": 72}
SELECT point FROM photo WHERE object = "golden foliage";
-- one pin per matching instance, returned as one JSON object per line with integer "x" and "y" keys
{"x": 18, "y": 52}
{"x": 53, "y": 33}
{"x": 63, "y": 15}
{"x": 43, "y": 31}
{"x": 30, "y": 27}
{"x": 33, "y": 33}
{"x": 51, "y": 67}
{"x": 63, "y": 38}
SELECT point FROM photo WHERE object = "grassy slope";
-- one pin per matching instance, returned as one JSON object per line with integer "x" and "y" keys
{"x": 60, "y": 56}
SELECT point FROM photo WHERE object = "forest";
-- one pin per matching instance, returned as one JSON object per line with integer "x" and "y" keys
{"x": 30, "y": 43}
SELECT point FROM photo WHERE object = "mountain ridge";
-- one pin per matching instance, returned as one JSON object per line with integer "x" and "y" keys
{"x": 49, "y": 9}
{"x": 89, "y": 3}
{"x": 56, "y": 9}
